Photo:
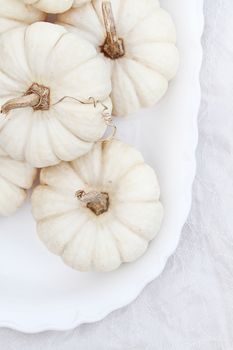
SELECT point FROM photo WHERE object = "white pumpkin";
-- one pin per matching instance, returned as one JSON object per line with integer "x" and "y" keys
{"x": 137, "y": 41}
{"x": 55, "y": 6}
{"x": 14, "y": 13}
{"x": 100, "y": 210}
{"x": 39, "y": 66}
{"x": 15, "y": 178}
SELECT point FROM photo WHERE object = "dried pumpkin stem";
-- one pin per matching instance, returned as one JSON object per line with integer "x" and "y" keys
{"x": 37, "y": 97}
{"x": 97, "y": 202}
{"x": 113, "y": 46}
{"x": 20, "y": 102}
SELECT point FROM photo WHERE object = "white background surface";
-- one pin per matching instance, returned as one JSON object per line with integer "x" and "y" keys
{"x": 190, "y": 305}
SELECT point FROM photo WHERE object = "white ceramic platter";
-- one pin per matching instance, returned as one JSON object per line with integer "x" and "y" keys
{"x": 37, "y": 292}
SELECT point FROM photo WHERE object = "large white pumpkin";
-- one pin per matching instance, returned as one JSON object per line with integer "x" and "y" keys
{"x": 55, "y": 6}
{"x": 39, "y": 66}
{"x": 100, "y": 210}
{"x": 137, "y": 41}
{"x": 15, "y": 13}
{"x": 15, "y": 178}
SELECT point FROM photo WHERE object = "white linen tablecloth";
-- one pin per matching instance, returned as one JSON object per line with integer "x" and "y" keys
{"x": 190, "y": 306}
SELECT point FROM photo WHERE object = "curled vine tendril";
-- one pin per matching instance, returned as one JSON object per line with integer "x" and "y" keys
{"x": 107, "y": 116}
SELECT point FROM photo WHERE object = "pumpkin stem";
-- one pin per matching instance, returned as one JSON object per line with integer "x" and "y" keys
{"x": 97, "y": 202}
{"x": 113, "y": 46}
{"x": 37, "y": 97}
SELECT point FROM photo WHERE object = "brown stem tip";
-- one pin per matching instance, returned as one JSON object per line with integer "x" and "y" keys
{"x": 113, "y": 47}
{"x": 37, "y": 97}
{"x": 97, "y": 202}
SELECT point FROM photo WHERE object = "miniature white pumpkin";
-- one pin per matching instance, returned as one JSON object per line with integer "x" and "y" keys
{"x": 14, "y": 13}
{"x": 39, "y": 66}
{"x": 100, "y": 210}
{"x": 55, "y": 6}
{"x": 15, "y": 178}
{"x": 137, "y": 40}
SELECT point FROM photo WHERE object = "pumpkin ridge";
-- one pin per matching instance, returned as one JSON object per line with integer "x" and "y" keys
{"x": 36, "y": 2}
{"x": 54, "y": 216}
{"x": 76, "y": 171}
{"x": 116, "y": 242}
{"x": 34, "y": 125}
{"x": 143, "y": 19}
{"x": 61, "y": 170}
{"x": 69, "y": 130}
{"x": 85, "y": 99}
{"x": 50, "y": 139}
{"x": 61, "y": 216}
{"x": 82, "y": 27}
{"x": 105, "y": 253}
{"x": 132, "y": 82}
{"x": 71, "y": 242}
{"x": 151, "y": 13}
{"x": 61, "y": 193}
{"x": 11, "y": 19}
{"x": 13, "y": 188}
{"x": 54, "y": 135}
{"x": 25, "y": 50}
{"x": 134, "y": 229}
{"x": 144, "y": 65}
{"x": 119, "y": 11}
{"x": 147, "y": 65}
{"x": 9, "y": 76}
{"x": 115, "y": 81}
{"x": 130, "y": 232}
{"x": 135, "y": 83}
{"x": 56, "y": 43}
{"x": 138, "y": 201}
{"x": 25, "y": 187}
{"x": 88, "y": 125}
{"x": 101, "y": 151}
{"x": 29, "y": 125}
{"x": 73, "y": 237}
{"x": 129, "y": 228}
{"x": 49, "y": 25}
{"x": 98, "y": 15}
{"x": 104, "y": 164}
{"x": 89, "y": 158}
{"x": 132, "y": 167}
{"x": 10, "y": 182}
{"x": 150, "y": 42}
{"x": 68, "y": 71}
